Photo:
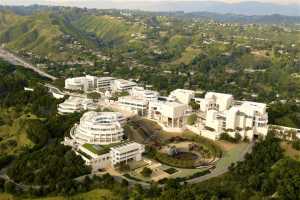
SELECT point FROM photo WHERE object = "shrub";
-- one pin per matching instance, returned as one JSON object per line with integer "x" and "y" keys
{"x": 296, "y": 144}
{"x": 225, "y": 136}
{"x": 146, "y": 172}
{"x": 192, "y": 119}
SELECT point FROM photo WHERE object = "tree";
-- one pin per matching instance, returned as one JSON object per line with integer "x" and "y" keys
{"x": 192, "y": 119}
{"x": 194, "y": 105}
{"x": 9, "y": 187}
{"x": 296, "y": 144}
{"x": 94, "y": 95}
{"x": 237, "y": 137}
{"x": 37, "y": 132}
{"x": 146, "y": 172}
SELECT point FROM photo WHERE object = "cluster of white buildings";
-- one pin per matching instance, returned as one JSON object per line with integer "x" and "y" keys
{"x": 98, "y": 139}
{"x": 93, "y": 83}
{"x": 218, "y": 113}
{"x": 221, "y": 113}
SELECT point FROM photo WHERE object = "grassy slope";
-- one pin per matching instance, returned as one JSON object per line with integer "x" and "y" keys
{"x": 290, "y": 151}
{"x": 7, "y": 19}
{"x": 41, "y": 33}
{"x": 107, "y": 28}
{"x": 14, "y": 129}
{"x": 36, "y": 33}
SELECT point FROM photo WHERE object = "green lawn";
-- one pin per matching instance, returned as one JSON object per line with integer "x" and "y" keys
{"x": 100, "y": 149}
{"x": 231, "y": 156}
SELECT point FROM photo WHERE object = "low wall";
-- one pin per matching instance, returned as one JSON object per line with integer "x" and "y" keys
{"x": 204, "y": 133}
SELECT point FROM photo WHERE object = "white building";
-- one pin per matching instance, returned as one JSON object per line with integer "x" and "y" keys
{"x": 249, "y": 119}
{"x": 215, "y": 101}
{"x": 76, "y": 104}
{"x": 182, "y": 96}
{"x": 98, "y": 140}
{"x": 100, "y": 128}
{"x": 100, "y": 157}
{"x": 121, "y": 85}
{"x": 141, "y": 93}
{"x": 134, "y": 104}
{"x": 105, "y": 83}
{"x": 85, "y": 83}
{"x": 126, "y": 152}
{"x": 171, "y": 115}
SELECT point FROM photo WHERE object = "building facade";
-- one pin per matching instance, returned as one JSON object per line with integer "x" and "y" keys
{"x": 121, "y": 85}
{"x": 76, "y": 104}
{"x": 141, "y": 93}
{"x": 84, "y": 83}
{"x": 126, "y": 152}
{"x": 134, "y": 104}
{"x": 169, "y": 114}
{"x": 223, "y": 114}
{"x": 182, "y": 96}
{"x": 99, "y": 128}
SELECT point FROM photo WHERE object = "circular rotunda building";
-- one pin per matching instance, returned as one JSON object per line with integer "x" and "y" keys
{"x": 100, "y": 128}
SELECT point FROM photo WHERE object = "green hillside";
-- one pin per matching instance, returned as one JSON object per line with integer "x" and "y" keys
{"x": 7, "y": 19}
{"x": 44, "y": 34}
{"x": 107, "y": 28}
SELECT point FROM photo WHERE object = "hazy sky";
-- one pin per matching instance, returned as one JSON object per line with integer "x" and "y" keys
{"x": 69, "y": 2}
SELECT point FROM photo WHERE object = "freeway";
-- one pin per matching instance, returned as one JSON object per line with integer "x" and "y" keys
{"x": 9, "y": 57}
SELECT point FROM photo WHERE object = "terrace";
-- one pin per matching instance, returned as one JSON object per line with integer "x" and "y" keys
{"x": 100, "y": 149}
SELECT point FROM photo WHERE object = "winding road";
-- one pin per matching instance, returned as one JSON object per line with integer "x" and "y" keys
{"x": 13, "y": 59}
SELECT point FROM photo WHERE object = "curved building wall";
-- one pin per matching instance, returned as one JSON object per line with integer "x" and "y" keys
{"x": 100, "y": 128}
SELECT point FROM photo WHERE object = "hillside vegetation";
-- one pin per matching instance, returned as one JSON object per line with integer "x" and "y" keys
{"x": 108, "y": 29}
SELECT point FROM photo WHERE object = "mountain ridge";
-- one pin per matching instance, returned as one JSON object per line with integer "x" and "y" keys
{"x": 245, "y": 8}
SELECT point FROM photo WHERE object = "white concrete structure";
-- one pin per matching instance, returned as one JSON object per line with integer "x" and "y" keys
{"x": 141, "y": 93}
{"x": 215, "y": 101}
{"x": 134, "y": 104}
{"x": 170, "y": 114}
{"x": 121, "y": 85}
{"x": 98, "y": 140}
{"x": 100, "y": 128}
{"x": 104, "y": 83}
{"x": 97, "y": 161}
{"x": 249, "y": 119}
{"x": 85, "y": 83}
{"x": 106, "y": 156}
{"x": 182, "y": 96}
{"x": 76, "y": 104}
{"x": 126, "y": 152}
